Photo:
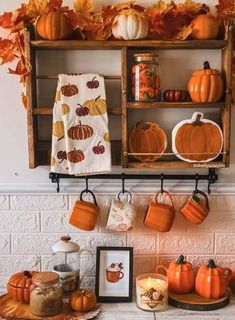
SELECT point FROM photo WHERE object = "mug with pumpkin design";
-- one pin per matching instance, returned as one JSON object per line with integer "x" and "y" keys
{"x": 160, "y": 216}
{"x": 122, "y": 213}
{"x": 196, "y": 208}
{"x": 84, "y": 214}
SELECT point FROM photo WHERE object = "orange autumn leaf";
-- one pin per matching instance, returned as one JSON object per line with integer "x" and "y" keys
{"x": 84, "y": 7}
{"x": 6, "y": 50}
{"x": 226, "y": 8}
{"x": 37, "y": 7}
{"x": 183, "y": 33}
{"x": 6, "y": 20}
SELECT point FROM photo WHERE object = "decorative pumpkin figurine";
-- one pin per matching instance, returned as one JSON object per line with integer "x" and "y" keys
{"x": 205, "y": 27}
{"x": 93, "y": 84}
{"x": 131, "y": 26}
{"x": 54, "y": 25}
{"x": 96, "y": 106}
{"x": 99, "y": 149}
{"x": 19, "y": 284}
{"x": 69, "y": 90}
{"x": 64, "y": 108}
{"x": 82, "y": 111}
{"x": 83, "y": 300}
{"x": 180, "y": 276}
{"x": 211, "y": 280}
{"x": 147, "y": 137}
{"x": 172, "y": 95}
{"x": 80, "y": 132}
{"x": 206, "y": 85}
{"x": 75, "y": 156}
{"x": 197, "y": 139}
{"x": 58, "y": 129}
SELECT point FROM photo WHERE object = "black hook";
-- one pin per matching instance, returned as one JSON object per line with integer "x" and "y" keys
{"x": 86, "y": 179}
{"x": 209, "y": 187}
{"x": 58, "y": 184}
{"x": 123, "y": 183}
{"x": 162, "y": 180}
{"x": 196, "y": 183}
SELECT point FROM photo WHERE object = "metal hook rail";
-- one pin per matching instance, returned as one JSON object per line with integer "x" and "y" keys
{"x": 211, "y": 177}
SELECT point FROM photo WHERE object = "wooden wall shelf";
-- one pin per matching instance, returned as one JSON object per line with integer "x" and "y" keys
{"x": 39, "y": 151}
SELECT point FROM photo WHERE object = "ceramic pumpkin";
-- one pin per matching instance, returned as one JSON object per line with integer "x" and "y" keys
{"x": 69, "y": 90}
{"x": 96, "y": 106}
{"x": 54, "y": 25}
{"x": 80, "y": 132}
{"x": 197, "y": 139}
{"x": 204, "y": 27}
{"x": 206, "y": 85}
{"x": 131, "y": 26}
{"x": 75, "y": 156}
{"x": 180, "y": 274}
{"x": 83, "y": 300}
{"x": 147, "y": 137}
{"x": 19, "y": 284}
{"x": 211, "y": 280}
{"x": 64, "y": 108}
{"x": 58, "y": 129}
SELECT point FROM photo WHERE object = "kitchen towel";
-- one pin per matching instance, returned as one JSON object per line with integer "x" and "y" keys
{"x": 80, "y": 135}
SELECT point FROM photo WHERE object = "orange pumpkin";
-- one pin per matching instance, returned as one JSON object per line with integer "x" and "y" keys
{"x": 69, "y": 90}
{"x": 232, "y": 282}
{"x": 147, "y": 137}
{"x": 180, "y": 275}
{"x": 206, "y": 85}
{"x": 75, "y": 156}
{"x": 204, "y": 27}
{"x": 211, "y": 280}
{"x": 83, "y": 300}
{"x": 19, "y": 284}
{"x": 80, "y": 132}
{"x": 54, "y": 25}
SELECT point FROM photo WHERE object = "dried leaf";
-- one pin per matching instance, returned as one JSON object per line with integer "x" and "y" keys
{"x": 6, "y": 50}
{"x": 183, "y": 33}
{"x": 6, "y": 20}
{"x": 37, "y": 7}
{"x": 55, "y": 4}
{"x": 226, "y": 8}
{"x": 84, "y": 7}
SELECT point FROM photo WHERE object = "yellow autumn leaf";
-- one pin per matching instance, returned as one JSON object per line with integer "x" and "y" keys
{"x": 84, "y": 7}
{"x": 184, "y": 33}
{"x": 37, "y": 7}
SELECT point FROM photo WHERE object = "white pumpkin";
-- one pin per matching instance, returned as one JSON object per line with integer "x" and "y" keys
{"x": 130, "y": 27}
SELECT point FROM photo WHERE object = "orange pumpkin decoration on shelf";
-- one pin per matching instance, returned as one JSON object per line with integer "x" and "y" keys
{"x": 19, "y": 284}
{"x": 197, "y": 139}
{"x": 75, "y": 156}
{"x": 180, "y": 276}
{"x": 211, "y": 280}
{"x": 147, "y": 137}
{"x": 54, "y": 25}
{"x": 206, "y": 85}
{"x": 80, "y": 132}
{"x": 69, "y": 90}
{"x": 83, "y": 300}
{"x": 205, "y": 27}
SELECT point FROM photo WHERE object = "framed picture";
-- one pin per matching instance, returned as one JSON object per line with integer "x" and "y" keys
{"x": 114, "y": 271}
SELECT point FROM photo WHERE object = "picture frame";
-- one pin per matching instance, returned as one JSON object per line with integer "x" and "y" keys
{"x": 114, "y": 274}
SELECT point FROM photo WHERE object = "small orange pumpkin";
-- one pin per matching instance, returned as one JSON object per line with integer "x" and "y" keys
{"x": 211, "y": 280}
{"x": 206, "y": 85}
{"x": 75, "y": 156}
{"x": 54, "y": 25}
{"x": 147, "y": 137}
{"x": 180, "y": 275}
{"x": 204, "y": 27}
{"x": 19, "y": 284}
{"x": 83, "y": 300}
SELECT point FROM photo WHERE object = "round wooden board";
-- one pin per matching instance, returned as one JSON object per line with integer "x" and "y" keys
{"x": 192, "y": 301}
{"x": 12, "y": 309}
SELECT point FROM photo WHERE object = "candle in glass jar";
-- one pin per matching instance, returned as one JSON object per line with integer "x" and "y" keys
{"x": 152, "y": 292}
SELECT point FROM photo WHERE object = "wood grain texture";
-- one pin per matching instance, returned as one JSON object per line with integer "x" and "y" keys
{"x": 192, "y": 301}
{"x": 173, "y": 105}
{"x": 124, "y": 108}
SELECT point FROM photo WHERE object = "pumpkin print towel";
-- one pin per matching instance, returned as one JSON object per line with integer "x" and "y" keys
{"x": 80, "y": 136}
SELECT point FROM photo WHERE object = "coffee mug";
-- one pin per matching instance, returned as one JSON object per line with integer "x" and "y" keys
{"x": 114, "y": 273}
{"x": 160, "y": 216}
{"x": 84, "y": 214}
{"x": 196, "y": 208}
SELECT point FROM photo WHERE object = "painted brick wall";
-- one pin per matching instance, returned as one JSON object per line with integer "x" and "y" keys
{"x": 30, "y": 224}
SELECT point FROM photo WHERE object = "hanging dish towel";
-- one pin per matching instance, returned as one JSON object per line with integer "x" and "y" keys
{"x": 80, "y": 136}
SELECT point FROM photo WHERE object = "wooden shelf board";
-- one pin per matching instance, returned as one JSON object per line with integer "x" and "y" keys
{"x": 174, "y": 165}
{"x": 183, "y": 105}
{"x": 49, "y": 111}
{"x": 117, "y": 44}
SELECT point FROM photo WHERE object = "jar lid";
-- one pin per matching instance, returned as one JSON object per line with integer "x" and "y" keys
{"x": 45, "y": 277}
{"x": 148, "y": 57}
{"x": 64, "y": 245}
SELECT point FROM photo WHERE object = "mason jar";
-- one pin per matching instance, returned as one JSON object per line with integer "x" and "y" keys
{"x": 46, "y": 294}
{"x": 145, "y": 82}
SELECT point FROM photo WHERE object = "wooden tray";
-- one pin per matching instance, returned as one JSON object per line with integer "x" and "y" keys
{"x": 192, "y": 301}
{"x": 12, "y": 309}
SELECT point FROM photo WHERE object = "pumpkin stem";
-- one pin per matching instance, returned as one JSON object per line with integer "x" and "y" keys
{"x": 206, "y": 65}
{"x": 198, "y": 122}
{"x": 180, "y": 260}
{"x": 97, "y": 98}
{"x": 80, "y": 105}
{"x": 211, "y": 264}
{"x": 80, "y": 123}
{"x": 83, "y": 292}
{"x": 145, "y": 126}
{"x": 93, "y": 79}
{"x": 98, "y": 144}
{"x": 27, "y": 274}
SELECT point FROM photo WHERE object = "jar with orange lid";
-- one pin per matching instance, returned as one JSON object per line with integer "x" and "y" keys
{"x": 46, "y": 294}
{"x": 145, "y": 81}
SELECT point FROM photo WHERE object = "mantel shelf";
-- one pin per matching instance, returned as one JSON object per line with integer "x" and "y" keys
{"x": 174, "y": 105}
{"x": 118, "y": 44}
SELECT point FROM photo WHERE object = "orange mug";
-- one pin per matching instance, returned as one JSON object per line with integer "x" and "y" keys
{"x": 84, "y": 214}
{"x": 196, "y": 208}
{"x": 114, "y": 276}
{"x": 160, "y": 216}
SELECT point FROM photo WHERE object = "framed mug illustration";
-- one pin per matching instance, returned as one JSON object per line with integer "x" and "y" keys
{"x": 114, "y": 271}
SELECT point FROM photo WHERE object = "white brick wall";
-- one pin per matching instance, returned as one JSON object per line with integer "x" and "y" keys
{"x": 30, "y": 224}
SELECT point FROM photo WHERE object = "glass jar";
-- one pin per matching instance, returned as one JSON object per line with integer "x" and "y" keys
{"x": 145, "y": 82}
{"x": 46, "y": 294}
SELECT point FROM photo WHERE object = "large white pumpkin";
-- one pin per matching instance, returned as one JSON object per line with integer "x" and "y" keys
{"x": 130, "y": 27}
